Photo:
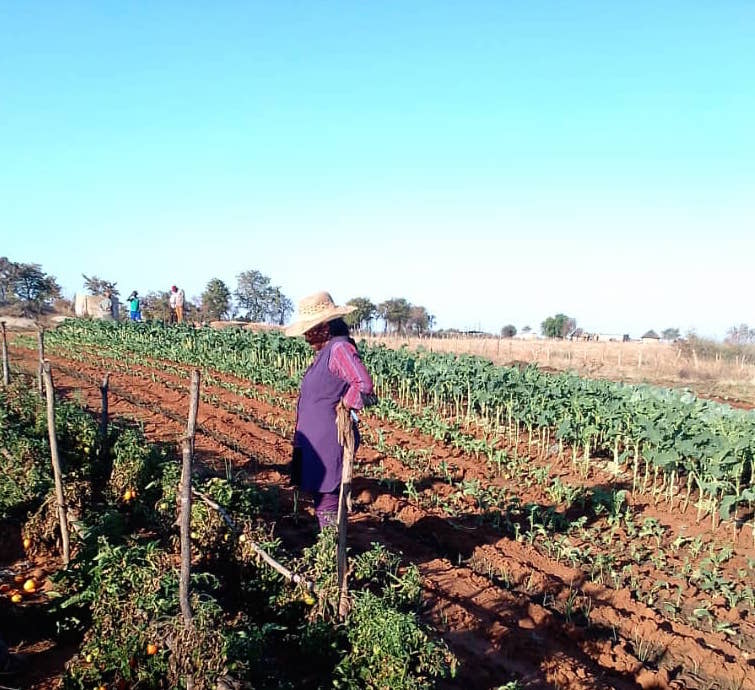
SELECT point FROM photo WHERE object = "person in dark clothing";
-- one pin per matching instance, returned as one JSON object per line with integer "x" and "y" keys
{"x": 336, "y": 377}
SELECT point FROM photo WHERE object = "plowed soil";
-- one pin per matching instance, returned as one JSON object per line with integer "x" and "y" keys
{"x": 507, "y": 610}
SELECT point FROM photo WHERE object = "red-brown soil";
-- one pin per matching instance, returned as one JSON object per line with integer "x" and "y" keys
{"x": 501, "y": 628}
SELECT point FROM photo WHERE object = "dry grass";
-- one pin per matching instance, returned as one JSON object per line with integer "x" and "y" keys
{"x": 661, "y": 364}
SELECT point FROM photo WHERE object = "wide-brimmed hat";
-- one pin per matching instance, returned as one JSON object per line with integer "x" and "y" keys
{"x": 314, "y": 310}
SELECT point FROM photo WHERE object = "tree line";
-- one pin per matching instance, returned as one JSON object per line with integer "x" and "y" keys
{"x": 28, "y": 290}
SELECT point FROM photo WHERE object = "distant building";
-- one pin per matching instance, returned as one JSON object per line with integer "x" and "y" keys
{"x": 651, "y": 337}
{"x": 581, "y": 334}
{"x": 612, "y": 337}
{"x": 529, "y": 335}
{"x": 92, "y": 306}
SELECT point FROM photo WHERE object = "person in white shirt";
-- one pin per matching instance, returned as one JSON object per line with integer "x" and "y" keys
{"x": 176, "y": 305}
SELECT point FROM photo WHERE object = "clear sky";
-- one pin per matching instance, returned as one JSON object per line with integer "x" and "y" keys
{"x": 496, "y": 162}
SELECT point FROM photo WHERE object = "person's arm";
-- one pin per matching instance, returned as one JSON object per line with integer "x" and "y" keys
{"x": 345, "y": 363}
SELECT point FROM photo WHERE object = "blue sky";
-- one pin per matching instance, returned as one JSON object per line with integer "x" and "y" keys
{"x": 496, "y": 162}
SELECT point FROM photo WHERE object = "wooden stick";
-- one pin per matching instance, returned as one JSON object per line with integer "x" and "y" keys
{"x": 266, "y": 557}
{"x": 191, "y": 427}
{"x": 104, "y": 418}
{"x": 346, "y": 439}
{"x": 184, "y": 490}
{"x": 187, "y": 444}
{"x": 41, "y": 346}
{"x": 60, "y": 496}
{"x": 6, "y": 365}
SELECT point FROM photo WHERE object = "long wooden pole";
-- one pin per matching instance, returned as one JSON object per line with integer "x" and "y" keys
{"x": 60, "y": 496}
{"x": 41, "y": 346}
{"x": 6, "y": 366}
{"x": 187, "y": 444}
{"x": 104, "y": 417}
{"x": 346, "y": 439}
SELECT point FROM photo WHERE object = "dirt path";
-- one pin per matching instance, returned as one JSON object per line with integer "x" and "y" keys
{"x": 501, "y": 628}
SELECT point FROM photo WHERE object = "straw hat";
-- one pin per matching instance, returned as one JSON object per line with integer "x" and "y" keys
{"x": 314, "y": 310}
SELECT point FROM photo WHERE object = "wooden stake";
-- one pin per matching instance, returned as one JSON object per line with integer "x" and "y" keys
{"x": 346, "y": 439}
{"x": 191, "y": 428}
{"x": 104, "y": 418}
{"x": 60, "y": 496}
{"x": 185, "y": 532}
{"x": 102, "y": 471}
{"x": 6, "y": 366}
{"x": 41, "y": 346}
{"x": 187, "y": 447}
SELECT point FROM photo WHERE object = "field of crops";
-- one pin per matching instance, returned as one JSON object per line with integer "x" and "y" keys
{"x": 511, "y": 528}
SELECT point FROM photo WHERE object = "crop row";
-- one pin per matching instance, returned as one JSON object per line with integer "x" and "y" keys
{"x": 682, "y": 443}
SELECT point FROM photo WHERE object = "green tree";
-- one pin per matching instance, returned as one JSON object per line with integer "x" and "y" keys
{"x": 670, "y": 333}
{"x": 252, "y": 292}
{"x": 260, "y": 301}
{"x": 361, "y": 318}
{"x": 155, "y": 306}
{"x": 216, "y": 300}
{"x": 279, "y": 307}
{"x": 8, "y": 271}
{"x": 33, "y": 287}
{"x": 508, "y": 331}
{"x": 419, "y": 321}
{"x": 558, "y": 326}
{"x": 395, "y": 314}
{"x": 97, "y": 286}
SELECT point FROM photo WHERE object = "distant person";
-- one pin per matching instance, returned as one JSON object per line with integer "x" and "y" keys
{"x": 172, "y": 303}
{"x": 134, "y": 310}
{"x": 177, "y": 304}
{"x": 106, "y": 306}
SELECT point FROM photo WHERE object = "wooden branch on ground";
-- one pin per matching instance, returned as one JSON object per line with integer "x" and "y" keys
{"x": 266, "y": 557}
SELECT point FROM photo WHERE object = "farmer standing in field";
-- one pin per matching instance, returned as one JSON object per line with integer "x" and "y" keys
{"x": 176, "y": 305}
{"x": 336, "y": 377}
{"x": 133, "y": 307}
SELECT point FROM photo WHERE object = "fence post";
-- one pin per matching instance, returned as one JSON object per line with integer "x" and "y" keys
{"x": 6, "y": 366}
{"x": 346, "y": 438}
{"x": 187, "y": 447}
{"x": 104, "y": 465}
{"x": 41, "y": 347}
{"x": 59, "y": 495}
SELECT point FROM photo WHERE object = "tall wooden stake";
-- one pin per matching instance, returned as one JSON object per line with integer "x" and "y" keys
{"x": 346, "y": 439}
{"x": 6, "y": 366}
{"x": 60, "y": 496}
{"x": 187, "y": 447}
{"x": 104, "y": 418}
{"x": 103, "y": 468}
{"x": 41, "y": 346}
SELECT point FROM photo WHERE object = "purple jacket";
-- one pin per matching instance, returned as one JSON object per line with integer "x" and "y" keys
{"x": 316, "y": 436}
